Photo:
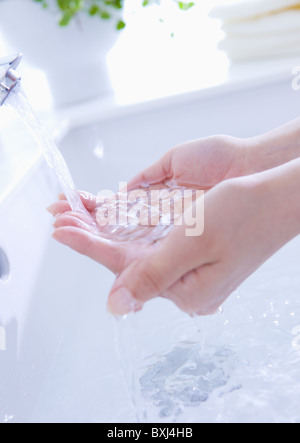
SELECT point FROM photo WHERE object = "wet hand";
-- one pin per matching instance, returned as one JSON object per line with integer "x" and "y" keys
{"x": 245, "y": 224}
{"x": 76, "y": 231}
{"x": 198, "y": 164}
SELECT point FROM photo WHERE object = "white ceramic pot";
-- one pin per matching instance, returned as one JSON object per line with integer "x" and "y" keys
{"x": 73, "y": 57}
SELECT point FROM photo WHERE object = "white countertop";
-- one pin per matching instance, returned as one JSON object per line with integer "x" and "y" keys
{"x": 19, "y": 152}
{"x": 157, "y": 70}
{"x": 148, "y": 73}
{"x": 238, "y": 77}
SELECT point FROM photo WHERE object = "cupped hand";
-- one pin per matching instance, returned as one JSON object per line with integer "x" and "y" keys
{"x": 77, "y": 231}
{"x": 247, "y": 219}
{"x": 199, "y": 164}
{"x": 199, "y": 273}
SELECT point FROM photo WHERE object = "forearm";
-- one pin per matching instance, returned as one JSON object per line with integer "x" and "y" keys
{"x": 279, "y": 189}
{"x": 273, "y": 149}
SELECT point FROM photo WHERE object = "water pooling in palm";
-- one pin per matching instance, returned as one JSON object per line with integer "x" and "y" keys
{"x": 195, "y": 165}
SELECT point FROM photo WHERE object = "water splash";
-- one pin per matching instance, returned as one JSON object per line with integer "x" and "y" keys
{"x": 8, "y": 418}
{"x": 114, "y": 232}
{"x": 127, "y": 351}
{"x": 189, "y": 372}
{"x": 18, "y": 100}
{"x": 185, "y": 377}
{"x": 144, "y": 215}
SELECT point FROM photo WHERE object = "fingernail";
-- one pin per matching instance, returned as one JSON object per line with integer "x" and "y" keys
{"x": 121, "y": 302}
{"x": 56, "y": 221}
{"x": 51, "y": 209}
{"x": 59, "y": 237}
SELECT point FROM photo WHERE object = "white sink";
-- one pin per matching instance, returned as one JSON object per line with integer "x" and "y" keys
{"x": 59, "y": 362}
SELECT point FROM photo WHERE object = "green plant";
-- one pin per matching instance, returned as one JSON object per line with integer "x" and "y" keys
{"x": 104, "y": 9}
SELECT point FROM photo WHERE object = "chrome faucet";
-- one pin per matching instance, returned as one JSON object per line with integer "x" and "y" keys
{"x": 8, "y": 77}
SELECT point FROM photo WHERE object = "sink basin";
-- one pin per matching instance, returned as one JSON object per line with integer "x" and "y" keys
{"x": 58, "y": 360}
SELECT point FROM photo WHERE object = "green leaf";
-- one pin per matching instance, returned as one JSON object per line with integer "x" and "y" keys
{"x": 71, "y": 6}
{"x": 117, "y": 4}
{"x": 186, "y": 6}
{"x": 104, "y": 15}
{"x": 94, "y": 10}
{"x": 65, "y": 19}
{"x": 64, "y": 5}
{"x": 100, "y": 8}
{"x": 44, "y": 3}
{"x": 121, "y": 25}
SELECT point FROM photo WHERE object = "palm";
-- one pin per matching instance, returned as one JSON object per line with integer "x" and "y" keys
{"x": 199, "y": 164}
{"x": 111, "y": 250}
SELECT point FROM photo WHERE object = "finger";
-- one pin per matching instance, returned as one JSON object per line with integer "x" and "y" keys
{"x": 108, "y": 254}
{"x": 59, "y": 207}
{"x": 88, "y": 199}
{"x": 68, "y": 220}
{"x": 153, "y": 275}
{"x": 201, "y": 291}
{"x": 87, "y": 218}
{"x": 157, "y": 173}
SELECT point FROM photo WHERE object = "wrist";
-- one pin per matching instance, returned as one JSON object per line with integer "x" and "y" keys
{"x": 273, "y": 149}
{"x": 278, "y": 191}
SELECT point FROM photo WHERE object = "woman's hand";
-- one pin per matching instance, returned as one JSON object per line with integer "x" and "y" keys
{"x": 206, "y": 162}
{"x": 246, "y": 221}
{"x": 76, "y": 231}
{"x": 199, "y": 164}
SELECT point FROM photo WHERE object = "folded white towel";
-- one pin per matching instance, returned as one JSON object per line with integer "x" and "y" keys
{"x": 244, "y": 48}
{"x": 236, "y": 10}
{"x": 272, "y": 24}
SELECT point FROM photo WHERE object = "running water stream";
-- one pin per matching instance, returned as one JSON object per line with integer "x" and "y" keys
{"x": 187, "y": 372}
{"x": 240, "y": 366}
{"x": 22, "y": 106}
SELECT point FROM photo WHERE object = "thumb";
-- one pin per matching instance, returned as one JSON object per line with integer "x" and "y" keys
{"x": 154, "y": 174}
{"x": 149, "y": 277}
{"x": 140, "y": 282}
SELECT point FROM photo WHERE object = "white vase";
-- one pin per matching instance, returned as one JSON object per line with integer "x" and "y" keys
{"x": 72, "y": 57}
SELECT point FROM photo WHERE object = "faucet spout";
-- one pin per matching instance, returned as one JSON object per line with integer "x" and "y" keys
{"x": 8, "y": 77}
